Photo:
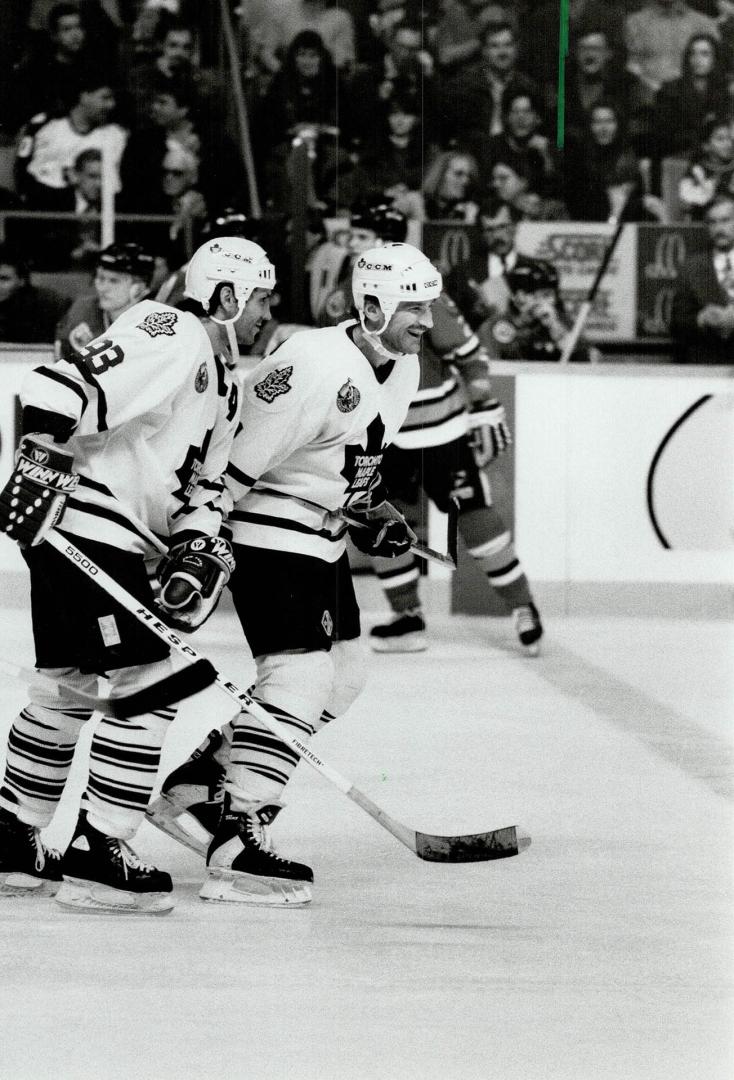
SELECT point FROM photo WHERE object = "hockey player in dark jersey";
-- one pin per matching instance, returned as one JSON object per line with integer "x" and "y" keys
{"x": 535, "y": 325}
{"x": 129, "y": 440}
{"x": 122, "y": 278}
{"x": 454, "y": 428}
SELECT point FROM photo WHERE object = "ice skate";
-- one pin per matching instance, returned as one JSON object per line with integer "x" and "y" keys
{"x": 27, "y": 866}
{"x": 528, "y": 628}
{"x": 103, "y": 874}
{"x": 190, "y": 802}
{"x": 242, "y": 867}
{"x": 406, "y": 632}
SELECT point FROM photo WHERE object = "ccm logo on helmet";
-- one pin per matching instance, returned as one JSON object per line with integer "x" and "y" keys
{"x": 373, "y": 266}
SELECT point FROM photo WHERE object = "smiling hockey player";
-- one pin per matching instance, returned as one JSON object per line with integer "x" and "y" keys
{"x": 317, "y": 416}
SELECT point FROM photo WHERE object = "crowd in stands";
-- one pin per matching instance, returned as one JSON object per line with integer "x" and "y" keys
{"x": 449, "y": 108}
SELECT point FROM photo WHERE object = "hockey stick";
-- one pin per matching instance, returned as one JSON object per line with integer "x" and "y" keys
{"x": 418, "y": 548}
{"x": 572, "y": 338}
{"x": 474, "y": 847}
{"x": 175, "y": 687}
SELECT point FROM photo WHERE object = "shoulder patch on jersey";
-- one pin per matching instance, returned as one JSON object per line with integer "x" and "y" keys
{"x": 80, "y": 335}
{"x": 274, "y": 384}
{"x": 503, "y": 332}
{"x": 159, "y": 322}
{"x": 202, "y": 379}
{"x": 348, "y": 397}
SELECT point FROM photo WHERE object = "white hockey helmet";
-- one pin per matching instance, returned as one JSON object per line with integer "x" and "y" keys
{"x": 240, "y": 263}
{"x": 393, "y": 274}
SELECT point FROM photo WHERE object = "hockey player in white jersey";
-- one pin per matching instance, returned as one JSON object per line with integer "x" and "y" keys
{"x": 126, "y": 441}
{"x": 316, "y": 417}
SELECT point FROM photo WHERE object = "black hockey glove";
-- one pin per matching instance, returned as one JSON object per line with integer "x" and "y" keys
{"x": 33, "y": 499}
{"x": 381, "y": 531}
{"x": 192, "y": 577}
{"x": 489, "y": 434}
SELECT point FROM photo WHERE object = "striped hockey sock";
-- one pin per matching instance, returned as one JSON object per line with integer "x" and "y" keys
{"x": 40, "y": 750}
{"x": 400, "y": 579}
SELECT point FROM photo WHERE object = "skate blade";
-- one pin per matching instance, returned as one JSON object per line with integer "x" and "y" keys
{"x": 94, "y": 898}
{"x": 165, "y": 815}
{"x": 233, "y": 887}
{"x": 19, "y": 886}
{"x": 406, "y": 643}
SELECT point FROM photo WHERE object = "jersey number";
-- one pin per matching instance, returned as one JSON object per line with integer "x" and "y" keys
{"x": 102, "y": 356}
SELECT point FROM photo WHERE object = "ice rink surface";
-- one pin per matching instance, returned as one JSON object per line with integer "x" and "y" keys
{"x": 604, "y": 952}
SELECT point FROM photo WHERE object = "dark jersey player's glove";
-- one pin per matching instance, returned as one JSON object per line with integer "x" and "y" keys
{"x": 381, "y": 531}
{"x": 33, "y": 499}
{"x": 489, "y": 432}
{"x": 192, "y": 577}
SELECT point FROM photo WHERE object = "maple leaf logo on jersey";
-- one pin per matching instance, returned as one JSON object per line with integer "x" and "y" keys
{"x": 274, "y": 384}
{"x": 159, "y": 322}
{"x": 361, "y": 463}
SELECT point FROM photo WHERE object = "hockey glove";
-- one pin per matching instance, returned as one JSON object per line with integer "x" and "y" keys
{"x": 381, "y": 531}
{"x": 192, "y": 577}
{"x": 33, "y": 499}
{"x": 489, "y": 434}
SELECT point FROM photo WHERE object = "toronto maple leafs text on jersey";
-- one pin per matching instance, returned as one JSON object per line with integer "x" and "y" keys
{"x": 315, "y": 422}
{"x": 149, "y": 413}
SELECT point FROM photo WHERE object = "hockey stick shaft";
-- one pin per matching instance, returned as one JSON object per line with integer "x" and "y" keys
{"x": 480, "y": 847}
{"x": 418, "y": 548}
{"x": 572, "y": 338}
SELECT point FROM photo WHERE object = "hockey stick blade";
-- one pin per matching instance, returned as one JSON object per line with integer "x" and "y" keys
{"x": 477, "y": 847}
{"x": 474, "y": 847}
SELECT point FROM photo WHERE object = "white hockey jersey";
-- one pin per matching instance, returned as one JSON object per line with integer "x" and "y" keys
{"x": 152, "y": 414}
{"x": 315, "y": 421}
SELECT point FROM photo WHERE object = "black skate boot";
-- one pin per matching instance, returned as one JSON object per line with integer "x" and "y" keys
{"x": 528, "y": 628}
{"x": 27, "y": 866}
{"x": 243, "y": 868}
{"x": 406, "y": 632}
{"x": 102, "y": 873}
{"x": 190, "y": 802}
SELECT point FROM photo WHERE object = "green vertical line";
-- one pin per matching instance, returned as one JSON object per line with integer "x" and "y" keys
{"x": 562, "y": 54}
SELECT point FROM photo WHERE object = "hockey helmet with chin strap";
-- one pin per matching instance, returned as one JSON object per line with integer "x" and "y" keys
{"x": 393, "y": 274}
{"x": 229, "y": 260}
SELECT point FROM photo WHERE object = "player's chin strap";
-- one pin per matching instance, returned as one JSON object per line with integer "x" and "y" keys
{"x": 374, "y": 336}
{"x": 228, "y": 325}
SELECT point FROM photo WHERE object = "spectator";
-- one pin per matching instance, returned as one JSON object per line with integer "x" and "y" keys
{"x": 521, "y": 140}
{"x": 393, "y": 157}
{"x": 47, "y": 81}
{"x": 49, "y": 147}
{"x": 455, "y": 39}
{"x": 596, "y": 74}
{"x": 28, "y": 314}
{"x": 473, "y": 111}
{"x": 684, "y": 105}
{"x": 174, "y": 64}
{"x": 603, "y": 174}
{"x": 702, "y": 320}
{"x": 122, "y": 278}
{"x": 329, "y": 20}
{"x": 449, "y": 186}
{"x": 711, "y": 168}
{"x": 656, "y": 37}
{"x": 170, "y": 124}
{"x": 514, "y": 183}
{"x": 302, "y": 98}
